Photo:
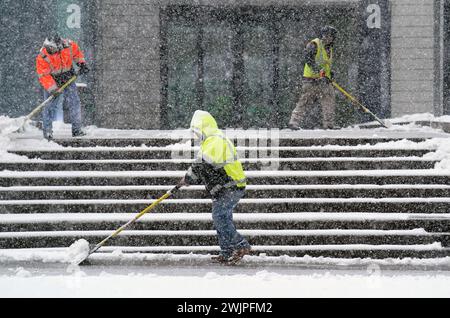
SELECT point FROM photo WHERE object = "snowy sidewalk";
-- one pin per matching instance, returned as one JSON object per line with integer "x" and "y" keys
{"x": 189, "y": 276}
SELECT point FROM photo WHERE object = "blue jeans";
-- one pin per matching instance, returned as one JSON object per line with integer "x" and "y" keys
{"x": 222, "y": 214}
{"x": 70, "y": 94}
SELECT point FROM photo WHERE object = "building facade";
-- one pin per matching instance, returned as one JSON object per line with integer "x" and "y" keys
{"x": 156, "y": 61}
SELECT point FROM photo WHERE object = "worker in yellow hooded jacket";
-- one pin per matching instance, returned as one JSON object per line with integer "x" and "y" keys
{"x": 218, "y": 168}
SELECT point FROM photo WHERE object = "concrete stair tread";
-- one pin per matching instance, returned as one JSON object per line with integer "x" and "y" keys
{"x": 214, "y": 248}
{"x": 187, "y": 147}
{"x": 208, "y": 237}
{"x": 361, "y": 256}
{"x": 22, "y": 218}
{"x": 265, "y": 205}
{"x": 419, "y": 256}
{"x": 92, "y": 153}
{"x": 263, "y": 248}
{"x": 303, "y": 164}
{"x": 251, "y": 187}
{"x": 296, "y": 159}
{"x": 241, "y": 202}
{"x": 350, "y": 133}
{"x": 212, "y": 233}
{"x": 249, "y": 174}
{"x": 124, "y": 193}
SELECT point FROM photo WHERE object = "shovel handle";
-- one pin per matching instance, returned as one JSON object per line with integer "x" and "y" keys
{"x": 49, "y": 99}
{"x": 355, "y": 101}
{"x": 124, "y": 226}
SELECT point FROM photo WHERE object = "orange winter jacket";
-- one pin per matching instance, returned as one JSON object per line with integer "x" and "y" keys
{"x": 55, "y": 69}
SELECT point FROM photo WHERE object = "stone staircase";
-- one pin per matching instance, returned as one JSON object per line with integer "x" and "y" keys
{"x": 332, "y": 197}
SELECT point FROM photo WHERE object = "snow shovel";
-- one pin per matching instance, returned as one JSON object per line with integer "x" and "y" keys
{"x": 120, "y": 229}
{"x": 48, "y": 100}
{"x": 365, "y": 109}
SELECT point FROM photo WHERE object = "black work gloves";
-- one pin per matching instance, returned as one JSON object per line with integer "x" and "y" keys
{"x": 55, "y": 92}
{"x": 83, "y": 68}
{"x": 323, "y": 77}
{"x": 332, "y": 76}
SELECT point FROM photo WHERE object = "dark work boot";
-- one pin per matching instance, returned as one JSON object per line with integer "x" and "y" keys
{"x": 238, "y": 255}
{"x": 219, "y": 259}
{"x": 78, "y": 133}
{"x": 48, "y": 136}
{"x": 331, "y": 127}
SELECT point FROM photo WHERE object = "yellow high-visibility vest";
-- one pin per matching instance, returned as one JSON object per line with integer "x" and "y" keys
{"x": 322, "y": 59}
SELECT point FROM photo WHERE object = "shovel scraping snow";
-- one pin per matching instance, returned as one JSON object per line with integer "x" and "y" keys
{"x": 120, "y": 229}
{"x": 44, "y": 103}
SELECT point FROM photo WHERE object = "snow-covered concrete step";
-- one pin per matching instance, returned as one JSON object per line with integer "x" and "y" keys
{"x": 59, "y": 178}
{"x": 323, "y": 256}
{"x": 120, "y": 142}
{"x": 437, "y": 222}
{"x": 272, "y": 205}
{"x": 262, "y": 253}
{"x": 281, "y": 141}
{"x": 102, "y": 153}
{"x": 208, "y": 237}
{"x": 335, "y": 163}
{"x": 444, "y": 126}
{"x": 252, "y": 191}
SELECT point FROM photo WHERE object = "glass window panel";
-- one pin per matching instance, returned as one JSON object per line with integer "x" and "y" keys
{"x": 218, "y": 71}
{"x": 181, "y": 74}
{"x": 258, "y": 76}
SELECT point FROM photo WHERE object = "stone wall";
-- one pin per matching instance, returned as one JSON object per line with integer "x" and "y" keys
{"x": 128, "y": 93}
{"x": 412, "y": 56}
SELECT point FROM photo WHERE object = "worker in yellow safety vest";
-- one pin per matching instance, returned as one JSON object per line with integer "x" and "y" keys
{"x": 316, "y": 86}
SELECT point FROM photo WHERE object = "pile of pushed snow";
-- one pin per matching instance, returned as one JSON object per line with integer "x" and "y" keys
{"x": 441, "y": 154}
{"x": 442, "y": 145}
{"x": 444, "y": 153}
{"x": 8, "y": 131}
{"x": 420, "y": 117}
{"x": 8, "y": 126}
{"x": 77, "y": 252}
{"x": 413, "y": 122}
{"x": 21, "y": 272}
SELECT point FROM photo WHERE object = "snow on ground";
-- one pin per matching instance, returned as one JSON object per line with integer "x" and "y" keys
{"x": 218, "y": 282}
{"x": 46, "y": 274}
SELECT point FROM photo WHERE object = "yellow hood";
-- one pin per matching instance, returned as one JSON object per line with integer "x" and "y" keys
{"x": 204, "y": 124}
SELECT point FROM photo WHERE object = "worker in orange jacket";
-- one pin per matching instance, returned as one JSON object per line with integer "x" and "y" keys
{"x": 54, "y": 66}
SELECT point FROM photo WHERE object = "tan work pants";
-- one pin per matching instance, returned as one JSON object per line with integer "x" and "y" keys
{"x": 313, "y": 92}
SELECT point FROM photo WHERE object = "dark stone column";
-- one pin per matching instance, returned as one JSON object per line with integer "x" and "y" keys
{"x": 374, "y": 57}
